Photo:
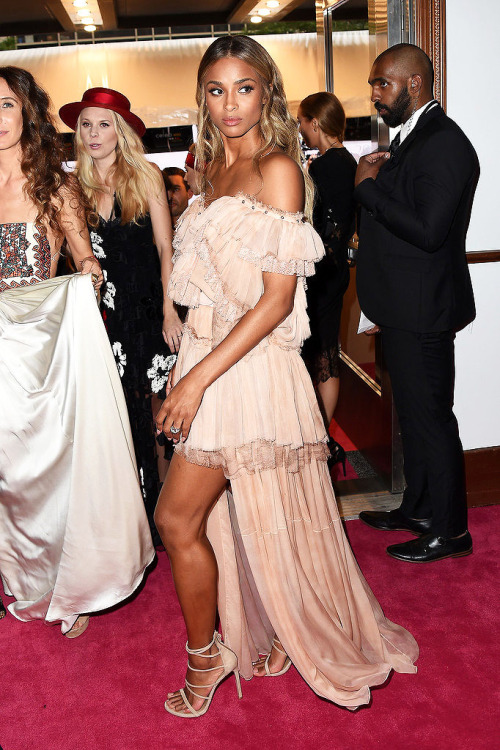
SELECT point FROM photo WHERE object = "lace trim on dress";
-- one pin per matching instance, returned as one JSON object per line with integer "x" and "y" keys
{"x": 257, "y": 456}
{"x": 295, "y": 216}
{"x": 193, "y": 336}
{"x": 323, "y": 365}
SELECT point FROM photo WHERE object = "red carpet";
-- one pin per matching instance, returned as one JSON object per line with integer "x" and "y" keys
{"x": 105, "y": 690}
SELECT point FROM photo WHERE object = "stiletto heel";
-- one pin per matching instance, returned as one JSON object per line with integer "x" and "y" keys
{"x": 238, "y": 683}
{"x": 337, "y": 454}
{"x": 229, "y": 664}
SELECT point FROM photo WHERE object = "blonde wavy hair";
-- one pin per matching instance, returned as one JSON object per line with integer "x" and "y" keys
{"x": 277, "y": 126}
{"x": 134, "y": 177}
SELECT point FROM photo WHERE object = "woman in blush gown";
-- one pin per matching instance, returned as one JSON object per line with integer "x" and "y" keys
{"x": 270, "y": 553}
{"x": 66, "y": 467}
{"x": 131, "y": 234}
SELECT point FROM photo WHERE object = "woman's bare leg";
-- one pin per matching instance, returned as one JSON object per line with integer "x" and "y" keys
{"x": 187, "y": 497}
{"x": 328, "y": 394}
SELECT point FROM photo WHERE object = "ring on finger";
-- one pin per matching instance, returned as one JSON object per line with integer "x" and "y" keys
{"x": 175, "y": 430}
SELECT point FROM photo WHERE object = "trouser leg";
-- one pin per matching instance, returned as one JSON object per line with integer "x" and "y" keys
{"x": 421, "y": 367}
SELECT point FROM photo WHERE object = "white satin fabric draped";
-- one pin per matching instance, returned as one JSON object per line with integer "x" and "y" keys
{"x": 73, "y": 531}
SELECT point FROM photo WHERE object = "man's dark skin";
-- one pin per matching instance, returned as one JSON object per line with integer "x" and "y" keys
{"x": 395, "y": 79}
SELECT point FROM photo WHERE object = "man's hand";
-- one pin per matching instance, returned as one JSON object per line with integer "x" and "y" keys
{"x": 369, "y": 166}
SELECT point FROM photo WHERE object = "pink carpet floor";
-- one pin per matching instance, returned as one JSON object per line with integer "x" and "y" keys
{"x": 105, "y": 690}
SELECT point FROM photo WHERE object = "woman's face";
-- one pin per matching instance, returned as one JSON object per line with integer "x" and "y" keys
{"x": 234, "y": 95}
{"x": 11, "y": 117}
{"x": 97, "y": 132}
{"x": 307, "y": 130}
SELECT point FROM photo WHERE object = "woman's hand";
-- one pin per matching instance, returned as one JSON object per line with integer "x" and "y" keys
{"x": 91, "y": 265}
{"x": 172, "y": 330}
{"x": 179, "y": 408}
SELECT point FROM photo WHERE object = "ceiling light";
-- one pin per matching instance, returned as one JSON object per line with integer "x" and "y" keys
{"x": 87, "y": 20}
{"x": 264, "y": 11}
{"x": 83, "y": 12}
{"x": 79, "y": 3}
{"x": 256, "y": 19}
{"x": 273, "y": 4}
{"x": 90, "y": 27}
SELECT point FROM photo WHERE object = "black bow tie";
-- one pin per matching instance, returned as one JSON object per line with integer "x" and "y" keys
{"x": 395, "y": 143}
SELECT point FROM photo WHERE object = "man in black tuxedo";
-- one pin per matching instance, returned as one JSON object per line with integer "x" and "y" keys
{"x": 414, "y": 283}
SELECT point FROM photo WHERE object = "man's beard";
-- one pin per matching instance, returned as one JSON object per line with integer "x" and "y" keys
{"x": 395, "y": 114}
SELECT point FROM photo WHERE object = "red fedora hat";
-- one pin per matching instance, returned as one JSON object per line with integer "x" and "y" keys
{"x": 107, "y": 99}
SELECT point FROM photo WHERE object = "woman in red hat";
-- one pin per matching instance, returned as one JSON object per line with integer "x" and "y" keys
{"x": 130, "y": 230}
{"x": 59, "y": 430}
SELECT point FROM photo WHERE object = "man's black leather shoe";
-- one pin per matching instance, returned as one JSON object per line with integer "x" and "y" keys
{"x": 394, "y": 520}
{"x": 430, "y": 548}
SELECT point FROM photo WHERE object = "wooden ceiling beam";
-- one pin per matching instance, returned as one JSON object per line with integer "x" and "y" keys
{"x": 108, "y": 14}
{"x": 56, "y": 10}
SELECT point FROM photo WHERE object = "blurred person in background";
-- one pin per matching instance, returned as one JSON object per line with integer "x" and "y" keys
{"x": 178, "y": 191}
{"x": 322, "y": 120}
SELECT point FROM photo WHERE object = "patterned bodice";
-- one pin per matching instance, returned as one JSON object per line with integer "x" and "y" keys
{"x": 24, "y": 255}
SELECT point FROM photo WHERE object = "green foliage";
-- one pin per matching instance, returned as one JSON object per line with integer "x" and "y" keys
{"x": 8, "y": 42}
{"x": 296, "y": 27}
{"x": 280, "y": 27}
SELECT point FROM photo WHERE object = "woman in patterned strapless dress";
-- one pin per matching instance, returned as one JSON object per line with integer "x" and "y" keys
{"x": 49, "y": 543}
{"x": 270, "y": 552}
{"x": 131, "y": 234}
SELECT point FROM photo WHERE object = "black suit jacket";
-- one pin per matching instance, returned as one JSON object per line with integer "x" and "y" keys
{"x": 412, "y": 269}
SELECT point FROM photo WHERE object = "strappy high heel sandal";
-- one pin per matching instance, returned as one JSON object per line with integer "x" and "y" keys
{"x": 2, "y": 609}
{"x": 229, "y": 664}
{"x": 286, "y": 665}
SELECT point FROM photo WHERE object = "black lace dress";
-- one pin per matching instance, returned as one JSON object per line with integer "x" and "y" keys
{"x": 333, "y": 218}
{"x": 132, "y": 310}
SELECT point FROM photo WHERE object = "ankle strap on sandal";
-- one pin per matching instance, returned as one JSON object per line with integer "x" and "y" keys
{"x": 199, "y": 651}
{"x": 275, "y": 646}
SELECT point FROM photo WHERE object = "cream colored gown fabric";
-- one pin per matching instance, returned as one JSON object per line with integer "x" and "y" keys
{"x": 73, "y": 531}
{"x": 285, "y": 565}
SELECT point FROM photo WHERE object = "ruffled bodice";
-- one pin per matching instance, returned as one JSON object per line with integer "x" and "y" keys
{"x": 221, "y": 251}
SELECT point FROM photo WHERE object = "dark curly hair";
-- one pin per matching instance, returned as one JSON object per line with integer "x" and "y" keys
{"x": 42, "y": 152}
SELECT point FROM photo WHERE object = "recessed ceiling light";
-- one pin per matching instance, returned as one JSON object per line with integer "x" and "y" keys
{"x": 87, "y": 20}
{"x": 273, "y": 4}
{"x": 83, "y": 12}
{"x": 79, "y": 3}
{"x": 256, "y": 19}
{"x": 264, "y": 11}
{"x": 90, "y": 27}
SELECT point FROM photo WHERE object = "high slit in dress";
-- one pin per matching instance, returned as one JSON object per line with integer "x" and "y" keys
{"x": 285, "y": 565}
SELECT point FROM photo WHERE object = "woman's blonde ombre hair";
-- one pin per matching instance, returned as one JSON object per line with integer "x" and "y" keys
{"x": 134, "y": 177}
{"x": 277, "y": 126}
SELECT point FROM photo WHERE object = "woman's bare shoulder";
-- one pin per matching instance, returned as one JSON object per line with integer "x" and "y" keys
{"x": 283, "y": 182}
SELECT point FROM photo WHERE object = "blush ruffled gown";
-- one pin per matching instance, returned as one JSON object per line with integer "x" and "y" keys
{"x": 285, "y": 565}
